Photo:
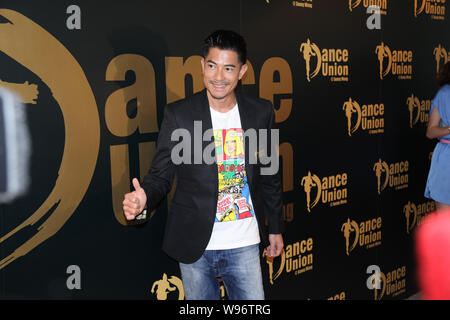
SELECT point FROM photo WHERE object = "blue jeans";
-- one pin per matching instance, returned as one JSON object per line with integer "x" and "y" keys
{"x": 239, "y": 268}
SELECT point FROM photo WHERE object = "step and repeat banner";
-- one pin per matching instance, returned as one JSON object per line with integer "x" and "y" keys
{"x": 352, "y": 88}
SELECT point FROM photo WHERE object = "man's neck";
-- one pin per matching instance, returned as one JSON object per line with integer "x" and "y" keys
{"x": 222, "y": 105}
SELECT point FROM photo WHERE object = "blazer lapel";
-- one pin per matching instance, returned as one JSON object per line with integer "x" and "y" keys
{"x": 203, "y": 114}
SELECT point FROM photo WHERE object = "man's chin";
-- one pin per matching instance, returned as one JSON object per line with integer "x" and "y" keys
{"x": 218, "y": 96}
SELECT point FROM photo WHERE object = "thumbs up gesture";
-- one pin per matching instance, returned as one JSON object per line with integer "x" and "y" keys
{"x": 135, "y": 201}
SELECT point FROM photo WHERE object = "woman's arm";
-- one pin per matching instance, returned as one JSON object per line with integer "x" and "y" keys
{"x": 433, "y": 129}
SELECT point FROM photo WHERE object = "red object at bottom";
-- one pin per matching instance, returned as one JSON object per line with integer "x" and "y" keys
{"x": 432, "y": 245}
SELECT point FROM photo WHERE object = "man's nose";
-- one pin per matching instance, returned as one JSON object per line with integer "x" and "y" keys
{"x": 219, "y": 75}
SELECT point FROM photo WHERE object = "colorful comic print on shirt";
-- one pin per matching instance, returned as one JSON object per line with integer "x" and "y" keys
{"x": 233, "y": 201}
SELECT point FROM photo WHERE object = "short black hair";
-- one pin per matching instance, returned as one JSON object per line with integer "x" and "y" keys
{"x": 444, "y": 76}
{"x": 226, "y": 40}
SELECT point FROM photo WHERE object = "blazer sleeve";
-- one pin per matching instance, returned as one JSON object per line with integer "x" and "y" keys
{"x": 271, "y": 185}
{"x": 158, "y": 181}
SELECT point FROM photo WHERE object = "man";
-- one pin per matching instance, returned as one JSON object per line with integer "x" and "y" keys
{"x": 205, "y": 229}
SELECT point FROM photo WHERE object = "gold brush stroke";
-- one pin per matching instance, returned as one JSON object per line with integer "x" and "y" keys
{"x": 41, "y": 53}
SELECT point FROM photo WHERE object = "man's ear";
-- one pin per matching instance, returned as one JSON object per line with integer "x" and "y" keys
{"x": 202, "y": 62}
{"x": 243, "y": 70}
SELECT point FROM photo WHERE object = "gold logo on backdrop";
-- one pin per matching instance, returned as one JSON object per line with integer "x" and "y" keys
{"x": 378, "y": 293}
{"x": 440, "y": 53}
{"x": 382, "y": 52}
{"x": 299, "y": 3}
{"x": 337, "y": 296}
{"x": 26, "y": 91}
{"x": 352, "y": 4}
{"x": 415, "y": 213}
{"x": 351, "y": 107}
{"x": 413, "y": 103}
{"x": 37, "y": 50}
{"x": 397, "y": 62}
{"x": 434, "y": 8}
{"x": 348, "y": 228}
{"x": 381, "y": 4}
{"x": 332, "y": 63}
{"x": 163, "y": 287}
{"x": 296, "y": 258}
{"x": 309, "y": 50}
{"x": 408, "y": 209}
{"x": 270, "y": 261}
{"x": 381, "y": 167}
{"x": 418, "y": 110}
{"x": 303, "y": 4}
{"x": 366, "y": 234}
{"x": 332, "y": 189}
{"x": 391, "y": 284}
{"x": 369, "y": 117}
{"x": 395, "y": 174}
{"x": 308, "y": 182}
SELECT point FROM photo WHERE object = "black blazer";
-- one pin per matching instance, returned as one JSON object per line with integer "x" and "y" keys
{"x": 193, "y": 209}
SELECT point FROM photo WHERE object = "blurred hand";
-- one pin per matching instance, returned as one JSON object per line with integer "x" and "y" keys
{"x": 135, "y": 201}
{"x": 275, "y": 247}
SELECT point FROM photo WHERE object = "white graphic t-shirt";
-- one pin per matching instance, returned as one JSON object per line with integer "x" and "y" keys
{"x": 235, "y": 224}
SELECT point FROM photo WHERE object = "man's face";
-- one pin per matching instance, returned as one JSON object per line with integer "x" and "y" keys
{"x": 222, "y": 72}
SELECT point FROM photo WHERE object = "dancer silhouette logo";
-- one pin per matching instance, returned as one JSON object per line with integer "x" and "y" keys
{"x": 366, "y": 234}
{"x": 165, "y": 286}
{"x": 381, "y": 167}
{"x": 296, "y": 258}
{"x": 440, "y": 53}
{"x": 390, "y": 284}
{"x": 332, "y": 189}
{"x": 418, "y": 110}
{"x": 369, "y": 118}
{"x": 415, "y": 213}
{"x": 395, "y": 175}
{"x": 331, "y": 63}
{"x": 396, "y": 62}
{"x": 348, "y": 228}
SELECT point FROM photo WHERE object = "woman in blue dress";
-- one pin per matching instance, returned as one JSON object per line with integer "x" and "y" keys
{"x": 438, "y": 183}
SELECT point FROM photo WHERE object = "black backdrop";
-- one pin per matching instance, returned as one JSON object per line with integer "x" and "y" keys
{"x": 144, "y": 45}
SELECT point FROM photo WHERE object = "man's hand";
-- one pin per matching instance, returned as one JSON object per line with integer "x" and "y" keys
{"x": 134, "y": 202}
{"x": 275, "y": 247}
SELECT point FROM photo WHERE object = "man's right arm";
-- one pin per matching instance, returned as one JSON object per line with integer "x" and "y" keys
{"x": 158, "y": 181}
